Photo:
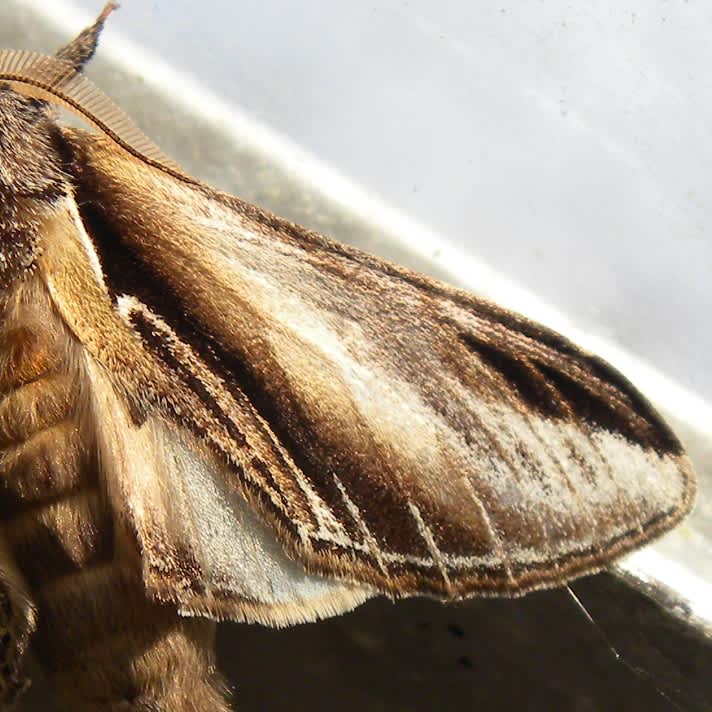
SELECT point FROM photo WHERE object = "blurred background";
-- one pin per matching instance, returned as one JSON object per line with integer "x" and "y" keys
{"x": 554, "y": 156}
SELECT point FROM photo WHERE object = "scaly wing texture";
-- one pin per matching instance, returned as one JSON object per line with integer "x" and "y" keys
{"x": 392, "y": 430}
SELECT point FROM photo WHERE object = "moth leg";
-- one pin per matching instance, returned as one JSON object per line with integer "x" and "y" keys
{"x": 17, "y": 623}
{"x": 81, "y": 49}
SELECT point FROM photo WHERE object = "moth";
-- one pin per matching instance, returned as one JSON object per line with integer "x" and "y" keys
{"x": 208, "y": 412}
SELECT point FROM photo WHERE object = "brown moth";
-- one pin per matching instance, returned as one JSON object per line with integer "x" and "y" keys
{"x": 208, "y": 412}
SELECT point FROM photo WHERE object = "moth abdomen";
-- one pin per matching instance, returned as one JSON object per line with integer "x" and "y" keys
{"x": 105, "y": 646}
{"x": 80, "y": 568}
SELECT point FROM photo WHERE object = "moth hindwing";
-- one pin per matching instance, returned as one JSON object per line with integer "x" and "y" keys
{"x": 209, "y": 412}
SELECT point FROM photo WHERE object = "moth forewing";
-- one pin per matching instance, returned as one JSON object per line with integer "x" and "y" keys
{"x": 406, "y": 434}
{"x": 237, "y": 418}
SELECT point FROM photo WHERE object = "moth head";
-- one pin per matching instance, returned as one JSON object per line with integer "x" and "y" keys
{"x": 30, "y": 161}
{"x": 31, "y": 177}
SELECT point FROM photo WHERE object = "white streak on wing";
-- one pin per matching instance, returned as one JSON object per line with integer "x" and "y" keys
{"x": 392, "y": 408}
{"x": 370, "y": 540}
{"x": 429, "y": 540}
{"x": 551, "y": 497}
{"x": 590, "y": 450}
{"x": 86, "y": 243}
{"x": 329, "y": 527}
{"x": 236, "y": 547}
{"x": 126, "y": 304}
{"x": 649, "y": 482}
{"x": 569, "y": 470}
{"x": 496, "y": 538}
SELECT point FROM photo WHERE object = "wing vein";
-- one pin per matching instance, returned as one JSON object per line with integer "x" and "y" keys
{"x": 369, "y": 538}
{"x": 495, "y": 537}
{"x": 429, "y": 539}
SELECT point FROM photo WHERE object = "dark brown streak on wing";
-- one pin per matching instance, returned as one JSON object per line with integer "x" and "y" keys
{"x": 158, "y": 345}
{"x": 531, "y": 386}
{"x": 578, "y": 386}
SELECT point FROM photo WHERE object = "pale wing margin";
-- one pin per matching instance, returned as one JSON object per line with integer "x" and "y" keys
{"x": 435, "y": 443}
